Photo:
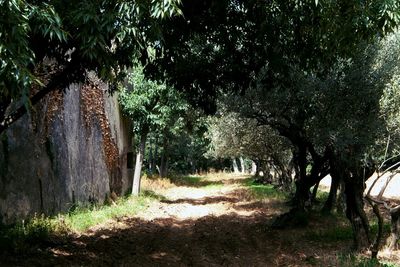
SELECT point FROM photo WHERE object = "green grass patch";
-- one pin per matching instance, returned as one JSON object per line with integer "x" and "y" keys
{"x": 331, "y": 234}
{"x": 26, "y": 234}
{"x": 264, "y": 191}
{"x": 322, "y": 196}
{"x": 83, "y": 218}
{"x": 36, "y": 231}
{"x": 351, "y": 260}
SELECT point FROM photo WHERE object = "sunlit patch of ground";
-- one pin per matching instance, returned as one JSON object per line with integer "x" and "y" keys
{"x": 185, "y": 202}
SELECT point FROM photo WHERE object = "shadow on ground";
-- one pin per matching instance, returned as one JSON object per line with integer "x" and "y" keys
{"x": 194, "y": 181}
{"x": 228, "y": 240}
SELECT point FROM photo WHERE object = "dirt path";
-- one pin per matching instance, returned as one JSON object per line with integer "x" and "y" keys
{"x": 218, "y": 224}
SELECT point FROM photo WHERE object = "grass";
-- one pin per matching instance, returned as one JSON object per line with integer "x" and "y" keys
{"x": 82, "y": 219}
{"x": 27, "y": 234}
{"x": 351, "y": 260}
{"x": 36, "y": 231}
{"x": 264, "y": 191}
{"x": 22, "y": 235}
{"x": 331, "y": 234}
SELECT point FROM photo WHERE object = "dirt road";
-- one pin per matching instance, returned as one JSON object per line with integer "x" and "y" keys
{"x": 214, "y": 223}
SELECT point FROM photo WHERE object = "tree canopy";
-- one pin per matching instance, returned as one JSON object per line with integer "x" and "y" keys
{"x": 66, "y": 39}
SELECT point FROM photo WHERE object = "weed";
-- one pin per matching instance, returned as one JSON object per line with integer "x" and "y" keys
{"x": 83, "y": 218}
{"x": 351, "y": 260}
{"x": 261, "y": 191}
{"x": 24, "y": 234}
{"x": 333, "y": 234}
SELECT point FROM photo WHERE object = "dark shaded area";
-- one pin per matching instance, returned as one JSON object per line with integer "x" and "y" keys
{"x": 203, "y": 201}
{"x": 193, "y": 181}
{"x": 229, "y": 240}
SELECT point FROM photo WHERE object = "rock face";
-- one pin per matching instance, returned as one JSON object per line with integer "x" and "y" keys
{"x": 71, "y": 150}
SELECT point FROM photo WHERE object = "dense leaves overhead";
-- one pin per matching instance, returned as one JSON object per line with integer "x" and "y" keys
{"x": 224, "y": 44}
{"x": 104, "y": 36}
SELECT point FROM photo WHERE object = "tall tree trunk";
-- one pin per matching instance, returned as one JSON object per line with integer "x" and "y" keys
{"x": 354, "y": 189}
{"x": 164, "y": 159}
{"x": 242, "y": 166}
{"x": 155, "y": 156}
{"x": 314, "y": 192}
{"x": 164, "y": 165}
{"x": 151, "y": 160}
{"x": 254, "y": 168}
{"x": 235, "y": 166}
{"x": 331, "y": 200}
{"x": 302, "y": 194}
{"x": 139, "y": 163}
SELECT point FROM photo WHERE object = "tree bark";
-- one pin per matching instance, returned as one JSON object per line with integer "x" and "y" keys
{"x": 395, "y": 228}
{"x": 331, "y": 200}
{"x": 354, "y": 189}
{"x": 254, "y": 168}
{"x": 235, "y": 166}
{"x": 242, "y": 167}
{"x": 151, "y": 160}
{"x": 164, "y": 159}
{"x": 139, "y": 163}
{"x": 314, "y": 192}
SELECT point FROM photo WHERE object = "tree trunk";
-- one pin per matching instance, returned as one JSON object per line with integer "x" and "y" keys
{"x": 314, "y": 192}
{"x": 151, "y": 160}
{"x": 164, "y": 166}
{"x": 331, "y": 200}
{"x": 155, "y": 156}
{"x": 302, "y": 195}
{"x": 139, "y": 163}
{"x": 242, "y": 167}
{"x": 395, "y": 227}
{"x": 235, "y": 166}
{"x": 254, "y": 168}
{"x": 164, "y": 159}
{"x": 354, "y": 189}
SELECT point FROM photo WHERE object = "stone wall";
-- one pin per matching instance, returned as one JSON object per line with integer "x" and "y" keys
{"x": 71, "y": 150}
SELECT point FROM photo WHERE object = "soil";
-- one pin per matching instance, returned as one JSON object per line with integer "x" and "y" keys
{"x": 194, "y": 226}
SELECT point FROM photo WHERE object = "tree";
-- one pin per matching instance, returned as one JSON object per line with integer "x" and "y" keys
{"x": 233, "y": 135}
{"x": 151, "y": 105}
{"x": 280, "y": 54}
{"x": 45, "y": 46}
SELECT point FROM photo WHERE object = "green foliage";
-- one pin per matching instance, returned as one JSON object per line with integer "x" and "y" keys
{"x": 149, "y": 103}
{"x": 36, "y": 231}
{"x": 102, "y": 36}
{"x": 225, "y": 44}
{"x": 26, "y": 234}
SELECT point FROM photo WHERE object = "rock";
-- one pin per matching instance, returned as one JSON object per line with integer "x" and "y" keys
{"x": 64, "y": 155}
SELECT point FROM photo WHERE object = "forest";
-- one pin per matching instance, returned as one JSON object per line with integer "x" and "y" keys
{"x": 200, "y": 133}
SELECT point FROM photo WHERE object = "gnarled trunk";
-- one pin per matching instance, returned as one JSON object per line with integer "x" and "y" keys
{"x": 331, "y": 200}
{"x": 354, "y": 188}
{"x": 395, "y": 228}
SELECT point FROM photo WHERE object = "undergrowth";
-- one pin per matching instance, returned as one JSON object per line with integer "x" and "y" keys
{"x": 264, "y": 191}
{"x": 352, "y": 260}
{"x": 32, "y": 233}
